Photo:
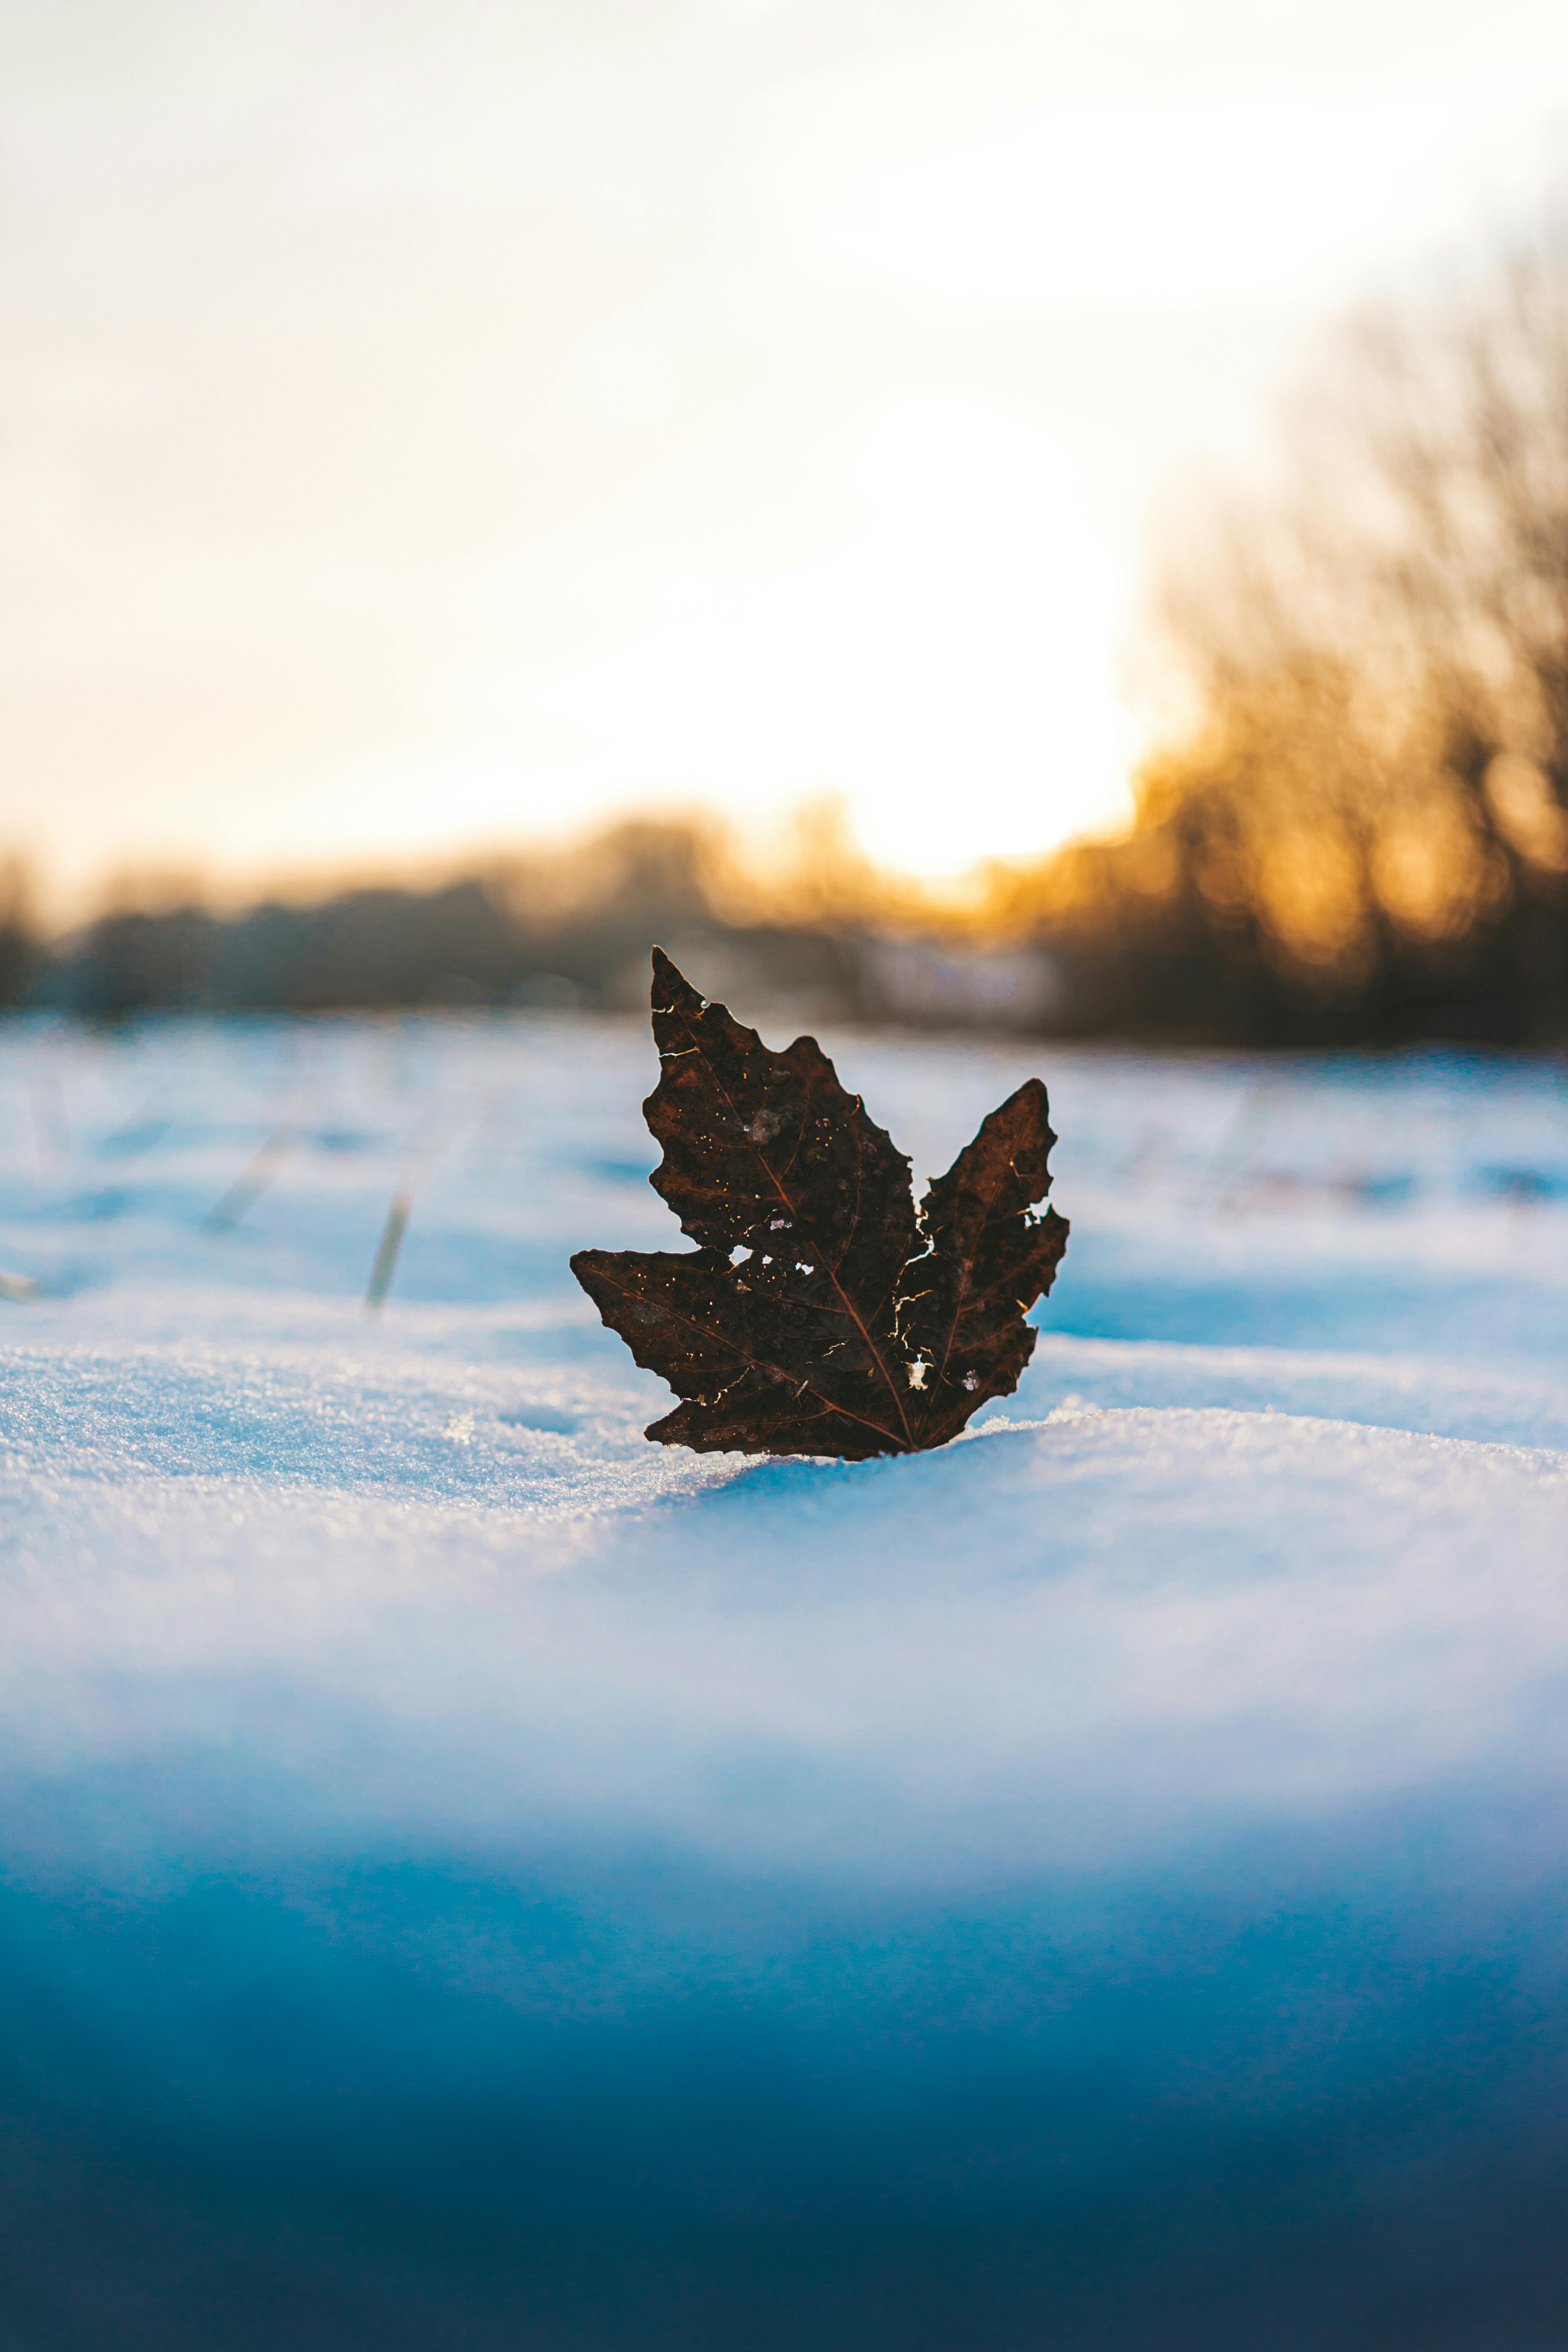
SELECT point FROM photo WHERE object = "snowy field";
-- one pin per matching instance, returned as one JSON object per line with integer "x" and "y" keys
{"x": 473, "y": 1879}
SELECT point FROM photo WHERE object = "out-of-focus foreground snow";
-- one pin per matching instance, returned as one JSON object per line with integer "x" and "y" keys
{"x": 474, "y": 1877}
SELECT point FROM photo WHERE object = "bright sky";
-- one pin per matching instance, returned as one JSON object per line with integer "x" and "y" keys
{"x": 426, "y": 426}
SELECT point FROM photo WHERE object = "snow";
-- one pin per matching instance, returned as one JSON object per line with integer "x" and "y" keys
{"x": 1099, "y": 1884}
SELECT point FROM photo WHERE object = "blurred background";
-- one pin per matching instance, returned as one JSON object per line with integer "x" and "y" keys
{"x": 979, "y": 515}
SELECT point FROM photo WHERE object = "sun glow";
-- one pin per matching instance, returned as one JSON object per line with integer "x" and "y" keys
{"x": 427, "y": 432}
{"x": 944, "y": 661}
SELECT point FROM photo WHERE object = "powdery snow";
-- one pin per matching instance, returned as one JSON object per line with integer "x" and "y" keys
{"x": 1217, "y": 1676}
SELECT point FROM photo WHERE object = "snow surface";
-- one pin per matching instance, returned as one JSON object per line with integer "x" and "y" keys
{"x": 474, "y": 1877}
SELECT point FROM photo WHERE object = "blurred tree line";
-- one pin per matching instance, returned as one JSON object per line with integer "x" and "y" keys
{"x": 1359, "y": 834}
{"x": 21, "y": 949}
{"x": 560, "y": 930}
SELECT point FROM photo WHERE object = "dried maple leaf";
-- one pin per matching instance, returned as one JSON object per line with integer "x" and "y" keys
{"x": 820, "y": 1312}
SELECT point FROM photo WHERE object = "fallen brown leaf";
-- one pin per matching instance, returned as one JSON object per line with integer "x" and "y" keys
{"x": 821, "y": 1313}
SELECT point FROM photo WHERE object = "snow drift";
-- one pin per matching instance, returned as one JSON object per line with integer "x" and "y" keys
{"x": 474, "y": 1876}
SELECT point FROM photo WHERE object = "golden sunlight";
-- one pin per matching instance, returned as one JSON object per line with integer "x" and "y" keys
{"x": 945, "y": 660}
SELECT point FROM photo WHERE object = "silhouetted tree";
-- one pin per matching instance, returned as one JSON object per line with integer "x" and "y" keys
{"x": 1371, "y": 802}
